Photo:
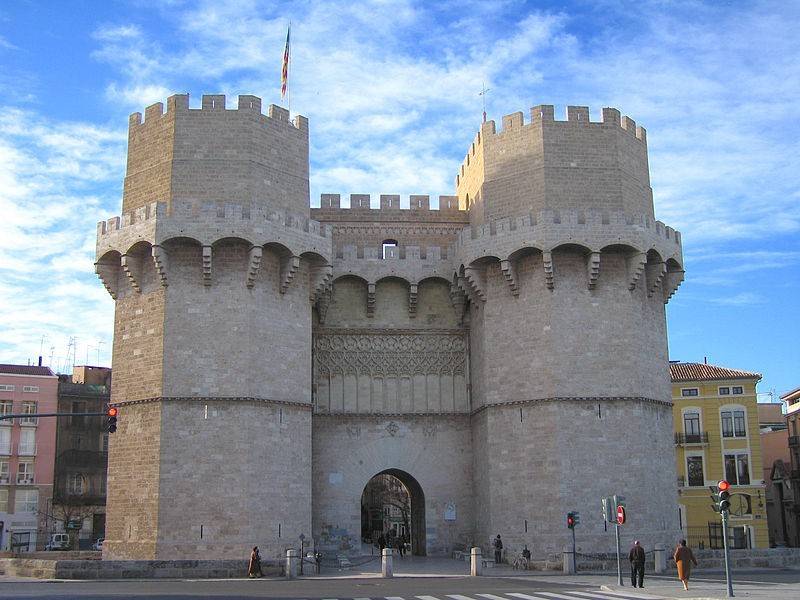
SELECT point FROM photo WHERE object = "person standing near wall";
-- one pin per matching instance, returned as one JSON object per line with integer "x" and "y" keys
{"x": 636, "y": 556}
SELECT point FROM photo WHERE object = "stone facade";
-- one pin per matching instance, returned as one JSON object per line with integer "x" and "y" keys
{"x": 504, "y": 355}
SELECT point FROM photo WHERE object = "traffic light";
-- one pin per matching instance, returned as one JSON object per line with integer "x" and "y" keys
{"x": 570, "y": 520}
{"x": 111, "y": 423}
{"x": 724, "y": 495}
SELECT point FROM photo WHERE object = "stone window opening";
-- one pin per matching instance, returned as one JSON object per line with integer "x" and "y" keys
{"x": 76, "y": 485}
{"x": 390, "y": 249}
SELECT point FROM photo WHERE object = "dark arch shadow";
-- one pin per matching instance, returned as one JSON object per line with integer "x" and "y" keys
{"x": 417, "y": 501}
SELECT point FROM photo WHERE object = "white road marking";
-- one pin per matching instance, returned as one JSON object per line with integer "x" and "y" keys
{"x": 529, "y": 597}
{"x": 459, "y": 597}
{"x": 491, "y": 597}
{"x": 604, "y": 595}
{"x": 555, "y": 595}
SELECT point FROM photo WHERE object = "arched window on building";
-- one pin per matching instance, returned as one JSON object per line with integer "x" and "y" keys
{"x": 390, "y": 249}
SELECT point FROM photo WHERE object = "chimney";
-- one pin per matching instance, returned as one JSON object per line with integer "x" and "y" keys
{"x": 705, "y": 360}
{"x": 40, "y": 361}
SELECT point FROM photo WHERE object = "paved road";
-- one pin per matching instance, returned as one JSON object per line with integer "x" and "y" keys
{"x": 404, "y": 588}
{"x": 754, "y": 585}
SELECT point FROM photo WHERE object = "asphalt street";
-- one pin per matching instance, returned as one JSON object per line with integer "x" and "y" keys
{"x": 772, "y": 584}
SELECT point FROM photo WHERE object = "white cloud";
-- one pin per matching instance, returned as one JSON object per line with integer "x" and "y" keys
{"x": 52, "y": 181}
{"x": 741, "y": 299}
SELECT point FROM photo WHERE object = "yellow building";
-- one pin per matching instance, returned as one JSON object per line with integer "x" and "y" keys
{"x": 716, "y": 428}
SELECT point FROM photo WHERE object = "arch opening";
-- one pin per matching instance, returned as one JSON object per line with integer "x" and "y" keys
{"x": 393, "y": 512}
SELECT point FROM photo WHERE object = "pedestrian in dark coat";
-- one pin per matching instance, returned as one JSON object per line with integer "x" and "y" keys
{"x": 498, "y": 550}
{"x": 684, "y": 558}
{"x": 636, "y": 556}
{"x": 254, "y": 568}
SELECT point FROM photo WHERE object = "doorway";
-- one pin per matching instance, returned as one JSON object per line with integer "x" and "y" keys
{"x": 393, "y": 505}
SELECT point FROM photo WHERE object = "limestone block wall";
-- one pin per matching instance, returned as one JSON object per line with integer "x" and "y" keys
{"x": 134, "y": 496}
{"x": 549, "y": 164}
{"x": 248, "y": 484}
{"x": 220, "y": 339}
{"x": 570, "y": 341}
{"x": 349, "y": 451}
{"x": 208, "y": 154}
{"x": 540, "y": 460}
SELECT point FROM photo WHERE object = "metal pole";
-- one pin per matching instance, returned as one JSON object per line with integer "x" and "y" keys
{"x": 728, "y": 579}
{"x": 574, "y": 564}
{"x": 619, "y": 563}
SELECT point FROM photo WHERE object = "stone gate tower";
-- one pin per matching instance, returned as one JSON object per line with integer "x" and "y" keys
{"x": 503, "y": 354}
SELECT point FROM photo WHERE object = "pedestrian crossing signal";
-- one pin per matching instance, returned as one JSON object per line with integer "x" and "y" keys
{"x": 111, "y": 423}
{"x": 571, "y": 522}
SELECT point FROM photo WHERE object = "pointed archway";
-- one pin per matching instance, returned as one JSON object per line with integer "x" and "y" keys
{"x": 393, "y": 499}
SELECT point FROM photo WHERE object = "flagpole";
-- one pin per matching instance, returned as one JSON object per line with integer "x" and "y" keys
{"x": 288, "y": 69}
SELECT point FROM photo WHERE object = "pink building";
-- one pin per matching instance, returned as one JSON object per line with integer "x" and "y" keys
{"x": 27, "y": 454}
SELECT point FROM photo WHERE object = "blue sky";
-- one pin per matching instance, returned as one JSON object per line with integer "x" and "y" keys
{"x": 391, "y": 89}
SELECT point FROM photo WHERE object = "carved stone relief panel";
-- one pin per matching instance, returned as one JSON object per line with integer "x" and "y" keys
{"x": 392, "y": 372}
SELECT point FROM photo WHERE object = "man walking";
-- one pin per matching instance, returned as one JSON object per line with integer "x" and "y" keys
{"x": 636, "y": 556}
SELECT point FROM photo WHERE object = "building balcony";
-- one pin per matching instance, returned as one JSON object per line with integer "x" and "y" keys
{"x": 24, "y": 479}
{"x": 794, "y": 440}
{"x": 28, "y": 421}
{"x": 84, "y": 459}
{"x": 691, "y": 439}
{"x": 4, "y": 480}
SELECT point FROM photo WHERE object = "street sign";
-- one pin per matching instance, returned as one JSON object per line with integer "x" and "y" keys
{"x": 73, "y": 525}
{"x": 620, "y": 515}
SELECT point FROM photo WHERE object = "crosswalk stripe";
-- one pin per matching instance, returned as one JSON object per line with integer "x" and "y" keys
{"x": 362, "y": 598}
{"x": 459, "y": 597}
{"x": 427, "y": 598}
{"x": 491, "y": 597}
{"x": 604, "y": 595}
{"x": 529, "y": 597}
{"x": 395, "y": 598}
{"x": 555, "y": 595}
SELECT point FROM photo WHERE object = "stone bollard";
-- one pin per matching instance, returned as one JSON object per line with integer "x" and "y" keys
{"x": 291, "y": 563}
{"x": 660, "y": 555}
{"x": 475, "y": 562}
{"x": 568, "y": 558}
{"x": 386, "y": 563}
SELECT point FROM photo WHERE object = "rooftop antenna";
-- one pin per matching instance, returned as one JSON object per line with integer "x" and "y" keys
{"x": 483, "y": 92}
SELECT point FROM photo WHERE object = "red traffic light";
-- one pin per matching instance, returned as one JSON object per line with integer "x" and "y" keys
{"x": 112, "y": 411}
{"x": 723, "y": 486}
{"x": 621, "y": 515}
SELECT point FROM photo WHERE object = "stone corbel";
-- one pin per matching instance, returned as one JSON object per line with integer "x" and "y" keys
{"x": 132, "y": 267}
{"x": 672, "y": 282}
{"x": 108, "y": 275}
{"x": 206, "y": 266}
{"x": 289, "y": 266}
{"x": 593, "y": 268}
{"x": 458, "y": 300}
{"x": 475, "y": 279}
{"x": 547, "y": 263}
{"x": 636, "y": 265}
{"x": 509, "y": 270}
{"x": 323, "y": 302}
{"x": 253, "y": 264}
{"x": 655, "y": 275}
{"x": 412, "y": 300}
{"x": 320, "y": 278}
{"x": 160, "y": 263}
{"x": 370, "y": 300}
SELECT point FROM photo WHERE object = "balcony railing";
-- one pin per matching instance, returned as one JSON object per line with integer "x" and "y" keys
{"x": 794, "y": 440}
{"x": 26, "y": 449}
{"x": 688, "y": 439}
{"x": 4, "y": 479}
{"x": 29, "y": 421}
{"x": 24, "y": 479}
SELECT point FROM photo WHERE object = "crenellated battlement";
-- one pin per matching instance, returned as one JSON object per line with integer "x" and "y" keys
{"x": 544, "y": 114}
{"x": 212, "y": 104}
{"x": 208, "y": 212}
{"x": 360, "y": 208}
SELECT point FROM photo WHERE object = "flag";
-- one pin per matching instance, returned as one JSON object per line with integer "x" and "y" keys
{"x": 285, "y": 68}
